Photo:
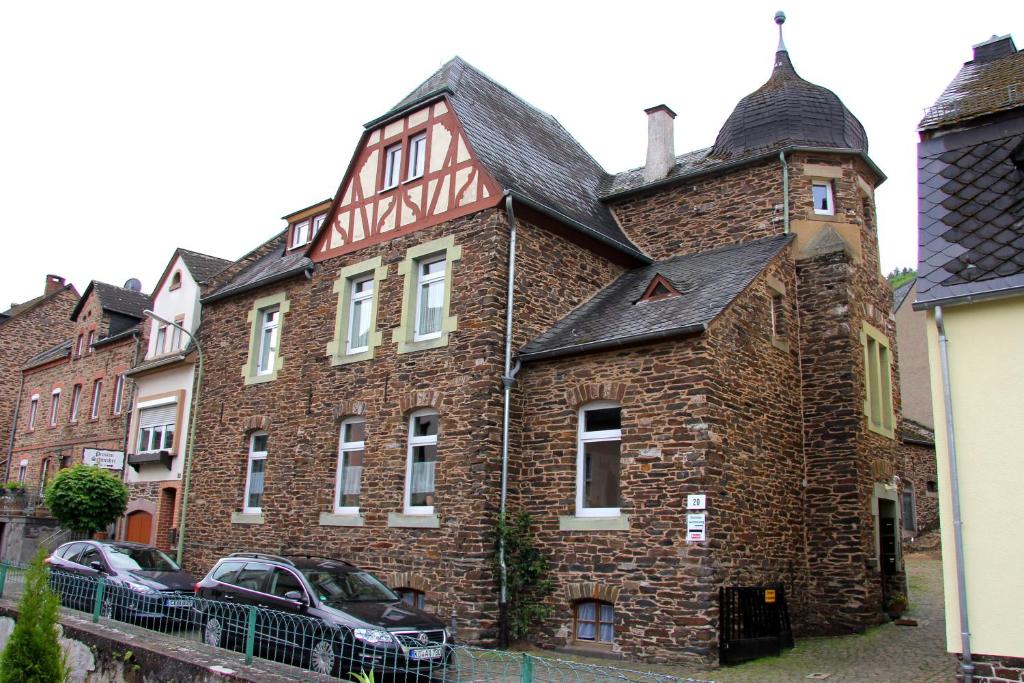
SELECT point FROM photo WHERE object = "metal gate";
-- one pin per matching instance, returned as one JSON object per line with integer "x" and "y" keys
{"x": 754, "y": 622}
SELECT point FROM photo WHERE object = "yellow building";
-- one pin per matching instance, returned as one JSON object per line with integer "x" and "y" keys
{"x": 971, "y": 283}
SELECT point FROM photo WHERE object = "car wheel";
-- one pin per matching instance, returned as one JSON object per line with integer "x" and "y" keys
{"x": 323, "y": 658}
{"x": 213, "y": 632}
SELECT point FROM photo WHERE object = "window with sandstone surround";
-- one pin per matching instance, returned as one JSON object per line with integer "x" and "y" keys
{"x": 348, "y": 481}
{"x": 877, "y": 381}
{"x": 821, "y": 193}
{"x": 255, "y": 474}
{"x": 412, "y": 597}
{"x": 33, "y": 411}
{"x": 430, "y": 272}
{"x": 427, "y": 295}
{"x": 266, "y": 319}
{"x": 421, "y": 463}
{"x": 94, "y": 409}
{"x": 76, "y": 400}
{"x": 54, "y": 407}
{"x": 594, "y": 623}
{"x": 355, "y": 324}
{"x": 598, "y": 466}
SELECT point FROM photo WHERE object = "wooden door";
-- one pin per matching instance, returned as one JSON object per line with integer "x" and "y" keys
{"x": 139, "y": 527}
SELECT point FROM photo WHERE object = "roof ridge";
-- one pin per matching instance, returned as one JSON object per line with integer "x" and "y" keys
{"x": 727, "y": 247}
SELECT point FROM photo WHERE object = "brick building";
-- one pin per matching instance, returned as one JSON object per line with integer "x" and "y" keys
{"x": 75, "y": 404}
{"x": 713, "y": 323}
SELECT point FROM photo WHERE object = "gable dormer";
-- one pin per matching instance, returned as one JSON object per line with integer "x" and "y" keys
{"x": 305, "y": 224}
{"x": 411, "y": 171}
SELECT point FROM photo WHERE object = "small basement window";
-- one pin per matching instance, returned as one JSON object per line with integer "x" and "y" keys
{"x": 595, "y": 622}
{"x": 821, "y": 192}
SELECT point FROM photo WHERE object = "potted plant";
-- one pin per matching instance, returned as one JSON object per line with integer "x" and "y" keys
{"x": 895, "y": 605}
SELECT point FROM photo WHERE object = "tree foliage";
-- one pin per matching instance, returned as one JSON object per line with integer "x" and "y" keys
{"x": 85, "y": 498}
{"x": 900, "y": 276}
{"x": 33, "y": 653}
{"x": 529, "y": 581}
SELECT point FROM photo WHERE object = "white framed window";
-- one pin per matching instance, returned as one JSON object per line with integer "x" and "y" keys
{"x": 421, "y": 464}
{"x": 317, "y": 222}
{"x": 44, "y": 474}
{"x": 92, "y": 338}
{"x": 76, "y": 400}
{"x": 33, "y": 411}
{"x": 54, "y": 407}
{"x": 358, "y": 339}
{"x": 351, "y": 453}
{"x": 417, "y": 155}
{"x": 94, "y": 410}
{"x": 255, "y": 474}
{"x": 392, "y": 166}
{"x": 161, "y": 339}
{"x": 118, "y": 391}
{"x": 176, "y": 335}
{"x": 80, "y": 345}
{"x": 429, "y": 297}
{"x": 821, "y": 192}
{"x": 156, "y": 428}
{"x": 300, "y": 233}
{"x": 597, "y": 460}
{"x": 22, "y": 471}
{"x": 270, "y": 319}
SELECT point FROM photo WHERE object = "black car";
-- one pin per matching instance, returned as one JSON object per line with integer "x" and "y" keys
{"x": 319, "y": 613}
{"x": 140, "y": 582}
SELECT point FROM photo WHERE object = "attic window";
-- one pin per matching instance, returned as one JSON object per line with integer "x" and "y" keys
{"x": 660, "y": 288}
{"x": 821, "y": 192}
{"x": 300, "y": 234}
{"x": 175, "y": 280}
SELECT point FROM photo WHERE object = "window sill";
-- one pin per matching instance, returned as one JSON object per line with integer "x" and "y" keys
{"x": 574, "y": 523}
{"x": 398, "y": 519}
{"x": 260, "y": 379}
{"x": 247, "y": 518}
{"x": 332, "y": 519}
{"x": 589, "y": 649}
{"x": 780, "y": 344}
{"x": 881, "y": 431}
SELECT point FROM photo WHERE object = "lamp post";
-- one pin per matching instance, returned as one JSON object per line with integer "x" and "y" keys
{"x": 193, "y": 414}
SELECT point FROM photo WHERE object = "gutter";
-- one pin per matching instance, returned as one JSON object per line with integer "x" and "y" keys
{"x": 223, "y": 294}
{"x": 966, "y": 666}
{"x": 685, "y": 331}
{"x": 968, "y": 298}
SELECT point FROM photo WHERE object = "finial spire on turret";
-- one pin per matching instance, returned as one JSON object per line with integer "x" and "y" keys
{"x": 780, "y": 19}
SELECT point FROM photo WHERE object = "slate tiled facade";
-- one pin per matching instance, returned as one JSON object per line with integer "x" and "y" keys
{"x": 762, "y": 373}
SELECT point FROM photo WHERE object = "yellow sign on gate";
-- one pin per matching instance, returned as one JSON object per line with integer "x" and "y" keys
{"x": 769, "y": 595}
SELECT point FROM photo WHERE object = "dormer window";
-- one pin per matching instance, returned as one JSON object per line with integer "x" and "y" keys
{"x": 300, "y": 233}
{"x": 821, "y": 192}
{"x": 659, "y": 288}
{"x": 393, "y": 166}
{"x": 80, "y": 345}
{"x": 417, "y": 155}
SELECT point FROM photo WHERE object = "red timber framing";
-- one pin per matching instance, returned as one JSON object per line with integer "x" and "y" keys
{"x": 454, "y": 183}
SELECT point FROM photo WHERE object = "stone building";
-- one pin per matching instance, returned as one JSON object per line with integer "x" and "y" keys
{"x": 75, "y": 403}
{"x": 158, "y": 430}
{"x": 479, "y": 287}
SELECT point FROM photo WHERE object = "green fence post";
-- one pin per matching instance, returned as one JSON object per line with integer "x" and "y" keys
{"x": 250, "y": 634}
{"x": 526, "y": 674}
{"x": 101, "y": 585}
{"x": 3, "y": 577}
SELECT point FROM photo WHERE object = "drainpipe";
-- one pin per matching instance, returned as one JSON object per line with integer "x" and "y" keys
{"x": 508, "y": 379}
{"x": 14, "y": 428}
{"x": 967, "y": 667}
{"x": 785, "y": 192}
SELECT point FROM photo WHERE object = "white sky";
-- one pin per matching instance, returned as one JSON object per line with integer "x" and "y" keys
{"x": 130, "y": 128}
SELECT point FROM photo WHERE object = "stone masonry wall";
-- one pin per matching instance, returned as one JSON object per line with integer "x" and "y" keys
{"x": 918, "y": 466}
{"x": 24, "y": 336}
{"x": 995, "y": 668}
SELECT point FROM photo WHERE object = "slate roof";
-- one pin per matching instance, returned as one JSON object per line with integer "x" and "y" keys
{"x": 899, "y": 294}
{"x": 526, "y": 150}
{"x": 971, "y": 204}
{"x": 62, "y": 350}
{"x": 708, "y": 282}
{"x": 202, "y": 266}
{"x": 273, "y": 266}
{"x": 115, "y": 300}
{"x": 983, "y": 86}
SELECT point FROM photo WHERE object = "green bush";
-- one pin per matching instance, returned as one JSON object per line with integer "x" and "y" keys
{"x": 529, "y": 580}
{"x": 85, "y": 498}
{"x": 33, "y": 653}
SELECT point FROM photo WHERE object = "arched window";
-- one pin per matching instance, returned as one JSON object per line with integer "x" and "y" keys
{"x": 597, "y": 460}
{"x": 412, "y": 597}
{"x": 175, "y": 280}
{"x": 595, "y": 622}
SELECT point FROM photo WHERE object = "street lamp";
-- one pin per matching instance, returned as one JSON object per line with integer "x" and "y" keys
{"x": 193, "y": 415}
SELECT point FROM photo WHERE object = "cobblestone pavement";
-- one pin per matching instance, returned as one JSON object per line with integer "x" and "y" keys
{"x": 885, "y": 654}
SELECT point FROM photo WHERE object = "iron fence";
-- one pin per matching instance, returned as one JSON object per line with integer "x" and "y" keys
{"x": 326, "y": 652}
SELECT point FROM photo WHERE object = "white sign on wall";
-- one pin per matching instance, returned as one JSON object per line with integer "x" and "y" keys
{"x": 696, "y": 501}
{"x": 108, "y": 460}
{"x": 696, "y": 527}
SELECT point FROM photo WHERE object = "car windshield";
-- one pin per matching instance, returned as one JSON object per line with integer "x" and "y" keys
{"x": 140, "y": 559}
{"x": 338, "y": 585}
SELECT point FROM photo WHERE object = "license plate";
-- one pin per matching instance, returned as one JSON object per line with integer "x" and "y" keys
{"x": 180, "y": 602}
{"x": 426, "y": 653}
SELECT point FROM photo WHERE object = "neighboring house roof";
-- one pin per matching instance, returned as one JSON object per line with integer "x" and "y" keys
{"x": 202, "y": 266}
{"x": 899, "y": 294}
{"x": 708, "y": 282}
{"x": 990, "y": 83}
{"x": 526, "y": 150}
{"x": 115, "y": 300}
{"x": 273, "y": 266}
{"x": 62, "y": 350}
{"x": 971, "y": 188}
{"x": 25, "y": 306}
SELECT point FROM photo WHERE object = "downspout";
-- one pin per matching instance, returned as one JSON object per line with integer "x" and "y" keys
{"x": 14, "y": 428}
{"x": 785, "y": 192}
{"x": 193, "y": 417}
{"x": 967, "y": 667}
{"x": 508, "y": 379}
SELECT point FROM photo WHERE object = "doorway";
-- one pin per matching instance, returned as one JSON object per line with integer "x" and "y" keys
{"x": 139, "y": 527}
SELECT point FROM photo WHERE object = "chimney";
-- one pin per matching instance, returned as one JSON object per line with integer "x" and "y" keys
{"x": 53, "y": 283}
{"x": 661, "y": 146}
{"x": 994, "y": 48}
